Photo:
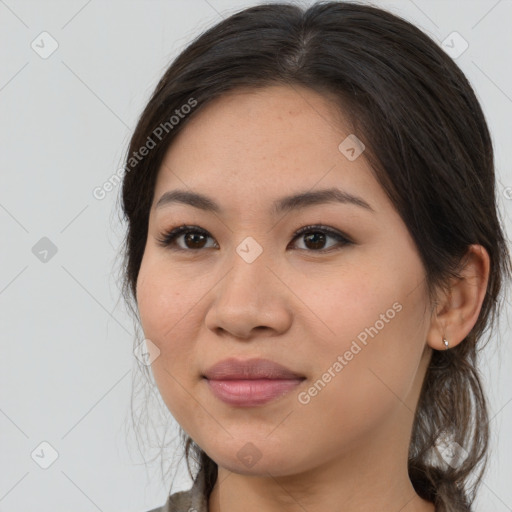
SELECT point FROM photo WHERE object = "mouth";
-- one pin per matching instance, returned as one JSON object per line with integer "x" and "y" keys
{"x": 251, "y": 382}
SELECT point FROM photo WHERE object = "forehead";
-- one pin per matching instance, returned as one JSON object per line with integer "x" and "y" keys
{"x": 253, "y": 146}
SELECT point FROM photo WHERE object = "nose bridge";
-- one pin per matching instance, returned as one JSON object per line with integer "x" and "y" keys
{"x": 250, "y": 295}
{"x": 249, "y": 270}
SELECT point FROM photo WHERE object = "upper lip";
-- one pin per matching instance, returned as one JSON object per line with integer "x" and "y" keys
{"x": 256, "y": 368}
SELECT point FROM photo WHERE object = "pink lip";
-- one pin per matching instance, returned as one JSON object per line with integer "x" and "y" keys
{"x": 256, "y": 368}
{"x": 250, "y": 382}
{"x": 251, "y": 392}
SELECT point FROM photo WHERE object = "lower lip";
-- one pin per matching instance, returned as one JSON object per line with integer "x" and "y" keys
{"x": 249, "y": 393}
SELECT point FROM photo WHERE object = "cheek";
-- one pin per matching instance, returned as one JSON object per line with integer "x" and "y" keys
{"x": 169, "y": 310}
{"x": 371, "y": 337}
{"x": 164, "y": 301}
{"x": 343, "y": 309}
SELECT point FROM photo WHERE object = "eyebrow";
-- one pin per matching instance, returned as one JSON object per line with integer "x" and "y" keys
{"x": 285, "y": 204}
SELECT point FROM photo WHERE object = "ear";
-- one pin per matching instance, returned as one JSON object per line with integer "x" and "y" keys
{"x": 457, "y": 312}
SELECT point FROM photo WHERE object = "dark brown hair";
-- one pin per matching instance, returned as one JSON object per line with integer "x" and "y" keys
{"x": 429, "y": 146}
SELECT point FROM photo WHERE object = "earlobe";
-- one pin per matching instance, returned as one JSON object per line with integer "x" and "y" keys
{"x": 458, "y": 312}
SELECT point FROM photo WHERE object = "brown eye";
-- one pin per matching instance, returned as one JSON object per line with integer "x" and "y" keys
{"x": 315, "y": 238}
{"x": 196, "y": 240}
{"x": 193, "y": 238}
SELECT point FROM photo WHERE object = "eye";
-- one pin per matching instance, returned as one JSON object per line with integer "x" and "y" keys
{"x": 192, "y": 235}
{"x": 317, "y": 235}
{"x": 194, "y": 238}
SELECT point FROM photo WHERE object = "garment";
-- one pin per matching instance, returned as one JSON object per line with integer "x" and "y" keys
{"x": 190, "y": 501}
{"x": 186, "y": 501}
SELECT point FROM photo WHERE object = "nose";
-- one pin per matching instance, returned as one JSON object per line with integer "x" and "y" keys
{"x": 251, "y": 297}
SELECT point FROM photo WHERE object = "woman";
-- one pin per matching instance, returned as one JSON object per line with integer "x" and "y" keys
{"x": 309, "y": 374}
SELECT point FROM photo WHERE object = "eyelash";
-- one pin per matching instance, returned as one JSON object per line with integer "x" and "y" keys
{"x": 168, "y": 238}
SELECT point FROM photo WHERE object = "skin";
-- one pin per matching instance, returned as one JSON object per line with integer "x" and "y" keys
{"x": 296, "y": 306}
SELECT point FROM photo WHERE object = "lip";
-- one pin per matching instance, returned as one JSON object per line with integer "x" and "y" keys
{"x": 252, "y": 382}
{"x": 251, "y": 392}
{"x": 256, "y": 368}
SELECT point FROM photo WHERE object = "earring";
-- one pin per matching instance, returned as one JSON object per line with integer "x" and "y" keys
{"x": 445, "y": 344}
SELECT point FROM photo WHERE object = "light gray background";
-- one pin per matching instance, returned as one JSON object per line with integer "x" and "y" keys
{"x": 67, "y": 361}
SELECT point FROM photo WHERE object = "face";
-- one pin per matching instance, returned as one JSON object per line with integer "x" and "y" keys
{"x": 343, "y": 304}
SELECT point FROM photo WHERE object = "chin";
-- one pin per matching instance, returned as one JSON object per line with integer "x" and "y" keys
{"x": 250, "y": 460}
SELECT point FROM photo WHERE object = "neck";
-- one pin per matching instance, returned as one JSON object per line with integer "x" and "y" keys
{"x": 370, "y": 476}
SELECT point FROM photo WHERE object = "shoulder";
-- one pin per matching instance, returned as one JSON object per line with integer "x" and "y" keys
{"x": 192, "y": 500}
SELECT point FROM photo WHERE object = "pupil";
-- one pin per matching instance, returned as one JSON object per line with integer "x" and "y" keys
{"x": 190, "y": 237}
{"x": 317, "y": 243}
